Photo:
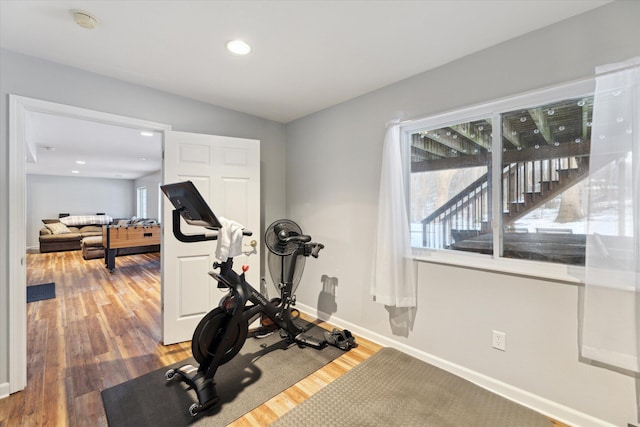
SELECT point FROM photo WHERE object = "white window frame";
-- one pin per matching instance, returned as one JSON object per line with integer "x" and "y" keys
{"x": 493, "y": 109}
{"x": 141, "y": 202}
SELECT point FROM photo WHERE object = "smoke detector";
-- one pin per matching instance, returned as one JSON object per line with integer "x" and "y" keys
{"x": 84, "y": 19}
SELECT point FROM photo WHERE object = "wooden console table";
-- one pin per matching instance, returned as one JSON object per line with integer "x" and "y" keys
{"x": 115, "y": 237}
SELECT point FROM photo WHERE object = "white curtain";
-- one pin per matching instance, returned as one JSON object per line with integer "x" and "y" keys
{"x": 393, "y": 281}
{"x": 611, "y": 322}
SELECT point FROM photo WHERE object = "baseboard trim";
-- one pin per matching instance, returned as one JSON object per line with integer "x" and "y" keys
{"x": 4, "y": 390}
{"x": 544, "y": 406}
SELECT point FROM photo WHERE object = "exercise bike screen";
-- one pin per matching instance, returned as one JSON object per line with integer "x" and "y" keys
{"x": 188, "y": 201}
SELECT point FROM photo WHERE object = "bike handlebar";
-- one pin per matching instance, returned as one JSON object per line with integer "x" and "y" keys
{"x": 284, "y": 237}
{"x": 191, "y": 238}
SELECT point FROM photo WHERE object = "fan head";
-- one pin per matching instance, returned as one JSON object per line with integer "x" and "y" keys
{"x": 277, "y": 232}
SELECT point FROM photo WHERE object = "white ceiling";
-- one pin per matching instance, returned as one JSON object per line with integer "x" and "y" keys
{"x": 107, "y": 151}
{"x": 307, "y": 55}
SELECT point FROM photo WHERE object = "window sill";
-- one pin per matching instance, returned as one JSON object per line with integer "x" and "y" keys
{"x": 570, "y": 274}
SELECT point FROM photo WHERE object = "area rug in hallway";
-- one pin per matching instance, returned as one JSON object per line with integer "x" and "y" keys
{"x": 41, "y": 292}
{"x": 394, "y": 389}
{"x": 263, "y": 368}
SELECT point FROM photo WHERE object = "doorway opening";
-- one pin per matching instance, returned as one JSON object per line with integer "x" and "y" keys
{"x": 19, "y": 110}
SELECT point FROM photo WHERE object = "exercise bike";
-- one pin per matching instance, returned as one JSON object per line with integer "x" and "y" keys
{"x": 222, "y": 332}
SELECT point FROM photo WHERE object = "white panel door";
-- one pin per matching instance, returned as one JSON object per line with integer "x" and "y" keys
{"x": 226, "y": 171}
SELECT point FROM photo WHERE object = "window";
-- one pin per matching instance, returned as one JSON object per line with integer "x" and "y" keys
{"x": 141, "y": 202}
{"x": 506, "y": 179}
{"x": 450, "y": 183}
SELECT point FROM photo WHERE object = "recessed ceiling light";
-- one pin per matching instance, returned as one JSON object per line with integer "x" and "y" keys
{"x": 75, "y": 171}
{"x": 146, "y": 133}
{"x": 81, "y": 162}
{"x": 238, "y": 47}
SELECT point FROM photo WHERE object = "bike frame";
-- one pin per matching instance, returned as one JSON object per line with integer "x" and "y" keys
{"x": 241, "y": 292}
{"x": 235, "y": 303}
{"x": 237, "y": 308}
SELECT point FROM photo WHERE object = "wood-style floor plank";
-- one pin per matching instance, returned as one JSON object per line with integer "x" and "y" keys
{"x": 103, "y": 329}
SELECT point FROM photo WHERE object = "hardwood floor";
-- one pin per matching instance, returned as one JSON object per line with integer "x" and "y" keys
{"x": 103, "y": 329}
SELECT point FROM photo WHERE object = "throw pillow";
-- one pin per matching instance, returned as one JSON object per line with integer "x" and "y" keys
{"x": 58, "y": 228}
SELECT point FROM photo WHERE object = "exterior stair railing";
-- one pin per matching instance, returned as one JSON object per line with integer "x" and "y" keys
{"x": 526, "y": 185}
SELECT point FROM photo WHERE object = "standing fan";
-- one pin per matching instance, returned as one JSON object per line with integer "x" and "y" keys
{"x": 286, "y": 257}
{"x": 277, "y": 237}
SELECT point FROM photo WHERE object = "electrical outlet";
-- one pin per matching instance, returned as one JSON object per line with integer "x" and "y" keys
{"x": 500, "y": 340}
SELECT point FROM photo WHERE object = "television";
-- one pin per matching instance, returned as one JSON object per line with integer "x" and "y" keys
{"x": 188, "y": 201}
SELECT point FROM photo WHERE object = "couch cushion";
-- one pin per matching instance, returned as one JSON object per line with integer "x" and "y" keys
{"x": 61, "y": 237}
{"x": 92, "y": 241}
{"x": 58, "y": 228}
{"x": 91, "y": 229}
{"x": 51, "y": 221}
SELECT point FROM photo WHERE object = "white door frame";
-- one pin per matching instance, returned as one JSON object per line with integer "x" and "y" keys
{"x": 19, "y": 106}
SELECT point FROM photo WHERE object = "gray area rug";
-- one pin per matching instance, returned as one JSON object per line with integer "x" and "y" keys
{"x": 41, "y": 292}
{"x": 263, "y": 368}
{"x": 394, "y": 389}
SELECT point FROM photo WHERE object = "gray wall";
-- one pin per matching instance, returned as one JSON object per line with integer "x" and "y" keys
{"x": 35, "y": 78}
{"x": 47, "y": 196}
{"x": 333, "y": 162}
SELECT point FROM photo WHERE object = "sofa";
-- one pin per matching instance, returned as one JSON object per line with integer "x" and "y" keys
{"x": 66, "y": 234}
{"x": 84, "y": 232}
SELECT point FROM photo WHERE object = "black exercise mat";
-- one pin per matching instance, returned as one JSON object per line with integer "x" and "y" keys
{"x": 41, "y": 292}
{"x": 263, "y": 368}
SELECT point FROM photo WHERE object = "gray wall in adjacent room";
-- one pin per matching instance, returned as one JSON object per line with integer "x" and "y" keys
{"x": 47, "y": 196}
{"x": 333, "y": 166}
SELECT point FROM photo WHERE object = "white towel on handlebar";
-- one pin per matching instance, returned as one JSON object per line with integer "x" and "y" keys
{"x": 229, "y": 239}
